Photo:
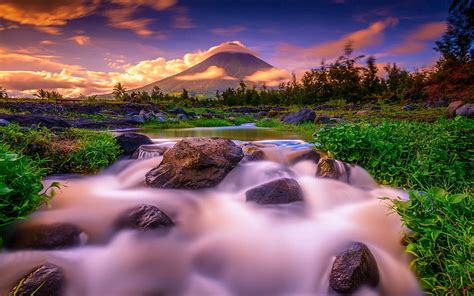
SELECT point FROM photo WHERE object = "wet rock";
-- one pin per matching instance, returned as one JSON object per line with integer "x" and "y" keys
{"x": 466, "y": 111}
{"x": 44, "y": 280}
{"x": 453, "y": 106}
{"x": 353, "y": 268}
{"x": 195, "y": 163}
{"x": 304, "y": 115}
{"x": 252, "y": 152}
{"x": 45, "y": 237}
{"x": 301, "y": 155}
{"x": 280, "y": 191}
{"x": 149, "y": 151}
{"x": 333, "y": 169}
{"x": 129, "y": 142}
{"x": 143, "y": 217}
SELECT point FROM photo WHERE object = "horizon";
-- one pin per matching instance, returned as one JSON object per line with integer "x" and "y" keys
{"x": 86, "y": 46}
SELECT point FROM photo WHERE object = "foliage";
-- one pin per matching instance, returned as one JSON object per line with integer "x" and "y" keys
{"x": 20, "y": 186}
{"x": 51, "y": 95}
{"x": 119, "y": 92}
{"x": 441, "y": 239}
{"x": 71, "y": 151}
{"x": 407, "y": 154}
{"x": 197, "y": 122}
{"x": 3, "y": 93}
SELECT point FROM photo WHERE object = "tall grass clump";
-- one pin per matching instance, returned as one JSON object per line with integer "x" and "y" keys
{"x": 441, "y": 239}
{"x": 407, "y": 154}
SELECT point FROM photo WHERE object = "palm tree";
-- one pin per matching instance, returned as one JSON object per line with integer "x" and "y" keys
{"x": 41, "y": 93}
{"x": 119, "y": 91}
{"x": 3, "y": 93}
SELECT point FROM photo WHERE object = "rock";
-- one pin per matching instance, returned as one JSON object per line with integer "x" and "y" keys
{"x": 252, "y": 152}
{"x": 353, "y": 268}
{"x": 45, "y": 237}
{"x": 182, "y": 116}
{"x": 466, "y": 111}
{"x": 195, "y": 163}
{"x": 280, "y": 191}
{"x": 143, "y": 217}
{"x": 242, "y": 110}
{"x": 304, "y": 115}
{"x": 129, "y": 142}
{"x": 161, "y": 117}
{"x": 31, "y": 119}
{"x": 323, "y": 119}
{"x": 408, "y": 107}
{"x": 300, "y": 155}
{"x": 178, "y": 110}
{"x": 453, "y": 106}
{"x": 336, "y": 120}
{"x": 137, "y": 118}
{"x": 362, "y": 112}
{"x": 149, "y": 151}
{"x": 333, "y": 169}
{"x": 44, "y": 280}
{"x": 376, "y": 108}
{"x": 4, "y": 122}
{"x": 261, "y": 114}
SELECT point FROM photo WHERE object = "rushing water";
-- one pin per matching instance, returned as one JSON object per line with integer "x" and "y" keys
{"x": 221, "y": 244}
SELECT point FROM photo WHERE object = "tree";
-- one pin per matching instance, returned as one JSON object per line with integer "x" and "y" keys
{"x": 119, "y": 91}
{"x": 156, "y": 94}
{"x": 41, "y": 93}
{"x": 3, "y": 93}
{"x": 370, "y": 80}
{"x": 184, "y": 95}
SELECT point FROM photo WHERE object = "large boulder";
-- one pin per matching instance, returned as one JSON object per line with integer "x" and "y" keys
{"x": 354, "y": 267}
{"x": 453, "y": 106}
{"x": 129, "y": 142}
{"x": 280, "y": 191}
{"x": 466, "y": 110}
{"x": 44, "y": 280}
{"x": 333, "y": 169}
{"x": 143, "y": 217}
{"x": 304, "y": 115}
{"x": 45, "y": 237}
{"x": 195, "y": 163}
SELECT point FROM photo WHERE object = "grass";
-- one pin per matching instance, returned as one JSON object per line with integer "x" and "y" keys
{"x": 305, "y": 130}
{"x": 407, "y": 154}
{"x": 441, "y": 240}
{"x": 70, "y": 151}
{"x": 197, "y": 122}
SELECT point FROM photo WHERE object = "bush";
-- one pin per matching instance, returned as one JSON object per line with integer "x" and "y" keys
{"x": 20, "y": 186}
{"x": 441, "y": 241}
{"x": 70, "y": 151}
{"x": 407, "y": 154}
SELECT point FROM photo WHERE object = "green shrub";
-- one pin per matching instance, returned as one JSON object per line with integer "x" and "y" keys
{"x": 441, "y": 240}
{"x": 407, "y": 154}
{"x": 20, "y": 186}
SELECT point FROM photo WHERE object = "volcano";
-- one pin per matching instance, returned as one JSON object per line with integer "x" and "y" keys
{"x": 218, "y": 72}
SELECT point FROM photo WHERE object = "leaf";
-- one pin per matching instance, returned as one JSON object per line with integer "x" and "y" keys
{"x": 4, "y": 189}
{"x": 457, "y": 198}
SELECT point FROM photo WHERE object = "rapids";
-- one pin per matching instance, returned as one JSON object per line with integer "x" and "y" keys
{"x": 221, "y": 244}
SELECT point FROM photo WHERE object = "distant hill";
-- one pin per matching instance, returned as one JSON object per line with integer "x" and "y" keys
{"x": 217, "y": 72}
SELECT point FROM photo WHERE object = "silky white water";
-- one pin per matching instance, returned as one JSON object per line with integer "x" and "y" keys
{"x": 220, "y": 245}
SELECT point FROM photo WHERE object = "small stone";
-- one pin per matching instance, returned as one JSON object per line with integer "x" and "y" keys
{"x": 143, "y": 217}
{"x": 129, "y": 142}
{"x": 45, "y": 280}
{"x": 280, "y": 191}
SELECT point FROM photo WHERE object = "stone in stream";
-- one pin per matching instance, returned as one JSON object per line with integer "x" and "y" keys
{"x": 45, "y": 237}
{"x": 280, "y": 191}
{"x": 45, "y": 280}
{"x": 333, "y": 169}
{"x": 143, "y": 217}
{"x": 304, "y": 115}
{"x": 149, "y": 151}
{"x": 195, "y": 163}
{"x": 252, "y": 152}
{"x": 129, "y": 142}
{"x": 300, "y": 155}
{"x": 354, "y": 267}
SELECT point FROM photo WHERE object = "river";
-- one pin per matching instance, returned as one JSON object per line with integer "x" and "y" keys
{"x": 220, "y": 245}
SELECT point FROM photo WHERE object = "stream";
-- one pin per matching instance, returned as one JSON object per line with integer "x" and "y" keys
{"x": 221, "y": 244}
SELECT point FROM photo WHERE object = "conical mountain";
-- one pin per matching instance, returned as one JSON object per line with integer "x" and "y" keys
{"x": 218, "y": 72}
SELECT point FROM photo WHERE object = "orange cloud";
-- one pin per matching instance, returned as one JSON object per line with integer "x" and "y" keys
{"x": 47, "y": 42}
{"x": 80, "y": 39}
{"x": 155, "y": 4}
{"x": 122, "y": 18}
{"x": 418, "y": 39}
{"x": 271, "y": 77}
{"x": 310, "y": 56}
{"x": 212, "y": 72}
{"x": 45, "y": 13}
{"x": 228, "y": 30}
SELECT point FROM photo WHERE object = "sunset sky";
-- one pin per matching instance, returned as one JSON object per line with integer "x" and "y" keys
{"x": 85, "y": 46}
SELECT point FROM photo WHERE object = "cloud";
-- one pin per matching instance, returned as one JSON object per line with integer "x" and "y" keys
{"x": 212, "y": 72}
{"x": 49, "y": 30}
{"x": 47, "y": 42}
{"x": 271, "y": 77}
{"x": 80, "y": 39}
{"x": 28, "y": 72}
{"x": 183, "y": 22}
{"x": 155, "y": 4}
{"x": 418, "y": 40}
{"x": 8, "y": 27}
{"x": 122, "y": 18}
{"x": 45, "y": 13}
{"x": 232, "y": 30}
{"x": 310, "y": 56}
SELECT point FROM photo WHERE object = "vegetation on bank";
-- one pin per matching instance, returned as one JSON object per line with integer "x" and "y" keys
{"x": 68, "y": 151}
{"x": 197, "y": 122}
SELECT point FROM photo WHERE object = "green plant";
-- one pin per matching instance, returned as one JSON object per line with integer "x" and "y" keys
{"x": 20, "y": 186}
{"x": 407, "y": 154}
{"x": 441, "y": 239}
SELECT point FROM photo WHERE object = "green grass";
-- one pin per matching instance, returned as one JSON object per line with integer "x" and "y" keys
{"x": 407, "y": 154}
{"x": 70, "y": 151}
{"x": 196, "y": 122}
{"x": 305, "y": 130}
{"x": 441, "y": 240}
